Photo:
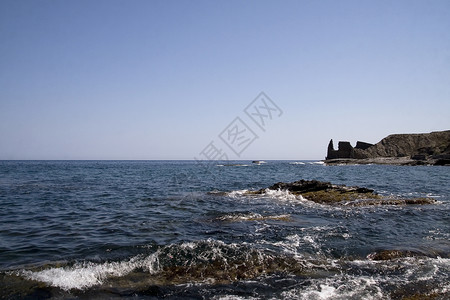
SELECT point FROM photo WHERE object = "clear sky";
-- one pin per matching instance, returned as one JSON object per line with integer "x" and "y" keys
{"x": 163, "y": 79}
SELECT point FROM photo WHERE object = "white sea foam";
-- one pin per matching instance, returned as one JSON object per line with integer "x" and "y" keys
{"x": 414, "y": 269}
{"x": 290, "y": 245}
{"x": 281, "y": 195}
{"x": 233, "y": 297}
{"x": 393, "y": 273}
{"x": 251, "y": 217}
{"x": 339, "y": 287}
{"x": 297, "y": 163}
{"x": 84, "y": 275}
{"x": 238, "y": 193}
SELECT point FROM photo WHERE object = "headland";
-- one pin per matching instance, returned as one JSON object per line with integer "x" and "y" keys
{"x": 396, "y": 149}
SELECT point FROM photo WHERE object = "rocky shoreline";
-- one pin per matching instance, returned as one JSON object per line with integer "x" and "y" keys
{"x": 398, "y": 161}
{"x": 397, "y": 149}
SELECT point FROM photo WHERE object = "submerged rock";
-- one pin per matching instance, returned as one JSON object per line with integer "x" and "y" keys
{"x": 381, "y": 255}
{"x": 392, "y": 254}
{"x": 327, "y": 193}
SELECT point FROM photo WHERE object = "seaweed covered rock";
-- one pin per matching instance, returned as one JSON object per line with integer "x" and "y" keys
{"x": 324, "y": 192}
{"x": 328, "y": 193}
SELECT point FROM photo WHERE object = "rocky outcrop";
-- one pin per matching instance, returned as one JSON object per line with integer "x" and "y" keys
{"x": 426, "y": 144}
{"x": 345, "y": 150}
{"x": 424, "y": 148}
{"x": 332, "y": 194}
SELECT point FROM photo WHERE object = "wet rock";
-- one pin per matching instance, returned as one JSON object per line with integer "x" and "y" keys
{"x": 301, "y": 186}
{"x": 419, "y": 291}
{"x": 393, "y": 201}
{"x": 392, "y": 254}
{"x": 381, "y": 255}
{"x": 327, "y": 193}
{"x": 16, "y": 287}
{"x": 324, "y": 192}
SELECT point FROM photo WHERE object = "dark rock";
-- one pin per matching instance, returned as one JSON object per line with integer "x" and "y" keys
{"x": 362, "y": 145}
{"x": 323, "y": 192}
{"x": 301, "y": 186}
{"x": 390, "y": 201}
{"x": 327, "y": 193}
{"x": 400, "y": 161}
{"x": 442, "y": 162}
{"x": 392, "y": 254}
{"x": 419, "y": 157}
{"x": 345, "y": 150}
{"x": 421, "y": 291}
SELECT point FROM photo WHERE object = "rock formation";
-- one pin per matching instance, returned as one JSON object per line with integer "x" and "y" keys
{"x": 333, "y": 194}
{"x": 345, "y": 150}
{"x": 423, "y": 148}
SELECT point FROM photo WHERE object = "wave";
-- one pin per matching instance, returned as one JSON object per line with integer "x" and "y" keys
{"x": 342, "y": 287}
{"x": 238, "y": 216}
{"x": 238, "y": 193}
{"x": 206, "y": 261}
{"x": 84, "y": 275}
{"x": 233, "y": 165}
{"x": 411, "y": 278}
{"x": 208, "y": 264}
{"x": 283, "y": 195}
{"x": 317, "y": 163}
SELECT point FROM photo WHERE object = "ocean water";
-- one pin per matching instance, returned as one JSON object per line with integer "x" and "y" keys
{"x": 181, "y": 229}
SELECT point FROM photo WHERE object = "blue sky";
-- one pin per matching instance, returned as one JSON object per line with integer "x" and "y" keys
{"x": 162, "y": 79}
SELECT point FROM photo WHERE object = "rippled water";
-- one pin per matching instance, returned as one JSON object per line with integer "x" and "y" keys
{"x": 171, "y": 229}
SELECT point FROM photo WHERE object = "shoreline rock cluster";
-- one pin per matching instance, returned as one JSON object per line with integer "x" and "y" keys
{"x": 332, "y": 194}
{"x": 396, "y": 149}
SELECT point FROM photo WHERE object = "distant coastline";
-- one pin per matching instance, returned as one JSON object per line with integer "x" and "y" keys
{"x": 397, "y": 149}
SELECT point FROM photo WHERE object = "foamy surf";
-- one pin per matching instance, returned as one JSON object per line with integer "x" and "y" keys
{"x": 283, "y": 195}
{"x": 353, "y": 287}
{"x": 206, "y": 261}
{"x": 238, "y": 193}
{"x": 82, "y": 276}
{"x": 237, "y": 217}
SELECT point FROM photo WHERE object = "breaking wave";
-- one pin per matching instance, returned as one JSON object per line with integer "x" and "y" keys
{"x": 237, "y": 217}
{"x": 209, "y": 264}
{"x": 191, "y": 262}
{"x": 268, "y": 193}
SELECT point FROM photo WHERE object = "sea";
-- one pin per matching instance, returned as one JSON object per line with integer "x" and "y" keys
{"x": 191, "y": 230}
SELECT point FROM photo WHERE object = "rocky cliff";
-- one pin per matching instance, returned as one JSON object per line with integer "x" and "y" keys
{"x": 425, "y": 144}
{"x": 422, "y": 148}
